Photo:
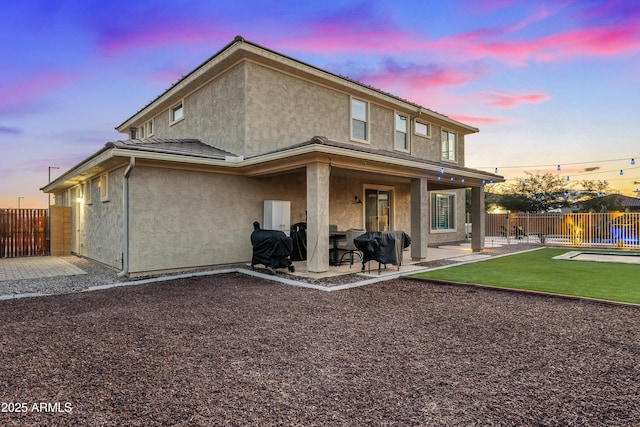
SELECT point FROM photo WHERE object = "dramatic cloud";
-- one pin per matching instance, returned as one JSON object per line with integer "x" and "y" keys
{"x": 413, "y": 77}
{"x": 477, "y": 120}
{"x": 24, "y": 95}
{"x": 512, "y": 100}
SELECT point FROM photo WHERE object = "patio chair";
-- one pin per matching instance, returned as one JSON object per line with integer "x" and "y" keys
{"x": 349, "y": 247}
{"x": 519, "y": 232}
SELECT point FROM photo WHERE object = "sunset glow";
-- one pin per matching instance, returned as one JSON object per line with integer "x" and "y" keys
{"x": 546, "y": 82}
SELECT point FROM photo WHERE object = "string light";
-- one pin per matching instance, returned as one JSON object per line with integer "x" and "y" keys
{"x": 441, "y": 170}
{"x": 558, "y": 168}
{"x": 621, "y": 172}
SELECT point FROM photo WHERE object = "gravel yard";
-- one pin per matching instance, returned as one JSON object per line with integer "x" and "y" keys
{"x": 237, "y": 350}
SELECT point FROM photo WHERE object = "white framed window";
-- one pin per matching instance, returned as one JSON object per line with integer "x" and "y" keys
{"x": 177, "y": 112}
{"x": 87, "y": 192}
{"x": 422, "y": 129}
{"x": 402, "y": 132}
{"x": 141, "y": 132}
{"x": 103, "y": 184}
{"x": 448, "y": 145}
{"x": 443, "y": 211}
{"x": 149, "y": 128}
{"x": 359, "y": 120}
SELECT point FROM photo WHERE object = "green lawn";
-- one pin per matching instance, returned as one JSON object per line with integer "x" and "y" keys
{"x": 538, "y": 271}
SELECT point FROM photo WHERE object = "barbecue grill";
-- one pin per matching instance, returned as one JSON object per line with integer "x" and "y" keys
{"x": 382, "y": 246}
{"x": 271, "y": 248}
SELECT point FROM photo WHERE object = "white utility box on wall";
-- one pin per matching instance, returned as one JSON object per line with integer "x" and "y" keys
{"x": 277, "y": 215}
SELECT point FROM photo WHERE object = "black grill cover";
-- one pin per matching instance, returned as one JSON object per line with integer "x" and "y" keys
{"x": 271, "y": 248}
{"x": 382, "y": 246}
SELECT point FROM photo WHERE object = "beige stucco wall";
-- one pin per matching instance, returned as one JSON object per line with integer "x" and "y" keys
{"x": 283, "y": 110}
{"x": 430, "y": 148}
{"x": 215, "y": 113}
{"x": 184, "y": 219}
{"x": 251, "y": 109}
{"x": 97, "y": 228}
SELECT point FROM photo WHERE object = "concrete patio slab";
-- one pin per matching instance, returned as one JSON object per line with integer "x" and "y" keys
{"x": 36, "y": 267}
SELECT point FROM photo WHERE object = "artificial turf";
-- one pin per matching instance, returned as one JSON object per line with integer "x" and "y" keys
{"x": 538, "y": 271}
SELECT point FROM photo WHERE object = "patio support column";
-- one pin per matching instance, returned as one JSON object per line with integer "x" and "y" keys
{"x": 419, "y": 218}
{"x": 477, "y": 218}
{"x": 318, "y": 217}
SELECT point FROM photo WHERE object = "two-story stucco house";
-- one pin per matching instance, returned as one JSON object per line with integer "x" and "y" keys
{"x": 250, "y": 125}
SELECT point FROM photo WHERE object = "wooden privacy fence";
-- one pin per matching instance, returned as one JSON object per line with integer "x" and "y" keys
{"x": 23, "y": 232}
{"x": 617, "y": 229}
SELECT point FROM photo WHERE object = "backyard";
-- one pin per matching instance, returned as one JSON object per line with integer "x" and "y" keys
{"x": 538, "y": 271}
{"x": 237, "y": 350}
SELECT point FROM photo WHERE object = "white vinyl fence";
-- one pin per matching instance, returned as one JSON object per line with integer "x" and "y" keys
{"x": 613, "y": 230}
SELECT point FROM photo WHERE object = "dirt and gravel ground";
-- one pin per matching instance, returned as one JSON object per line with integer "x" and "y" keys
{"x": 238, "y": 350}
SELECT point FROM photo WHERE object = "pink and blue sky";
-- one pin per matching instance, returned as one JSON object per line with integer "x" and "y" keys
{"x": 548, "y": 82}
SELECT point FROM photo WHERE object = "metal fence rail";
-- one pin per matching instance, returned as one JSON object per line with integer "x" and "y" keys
{"x": 620, "y": 230}
{"x": 23, "y": 232}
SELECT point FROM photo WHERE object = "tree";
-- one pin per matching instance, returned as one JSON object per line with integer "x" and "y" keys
{"x": 536, "y": 193}
{"x": 595, "y": 199}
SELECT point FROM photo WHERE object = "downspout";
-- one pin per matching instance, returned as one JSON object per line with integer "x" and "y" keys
{"x": 125, "y": 217}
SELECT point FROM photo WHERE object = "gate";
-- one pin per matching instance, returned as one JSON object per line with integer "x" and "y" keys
{"x": 23, "y": 232}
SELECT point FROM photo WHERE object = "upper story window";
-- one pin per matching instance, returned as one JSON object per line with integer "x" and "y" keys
{"x": 422, "y": 129}
{"x": 177, "y": 113}
{"x": 402, "y": 133}
{"x": 141, "y": 130}
{"x": 448, "y": 145}
{"x": 149, "y": 128}
{"x": 359, "y": 120}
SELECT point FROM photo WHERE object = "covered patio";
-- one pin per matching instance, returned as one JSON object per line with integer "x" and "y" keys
{"x": 340, "y": 180}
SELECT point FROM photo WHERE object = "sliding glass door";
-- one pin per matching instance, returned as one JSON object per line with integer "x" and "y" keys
{"x": 378, "y": 209}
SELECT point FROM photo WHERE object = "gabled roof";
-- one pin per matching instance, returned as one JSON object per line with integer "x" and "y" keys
{"x": 240, "y": 49}
{"x": 624, "y": 201}
{"x": 186, "y": 147}
{"x": 630, "y": 202}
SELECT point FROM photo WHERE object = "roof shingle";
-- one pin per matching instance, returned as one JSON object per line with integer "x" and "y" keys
{"x": 184, "y": 147}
